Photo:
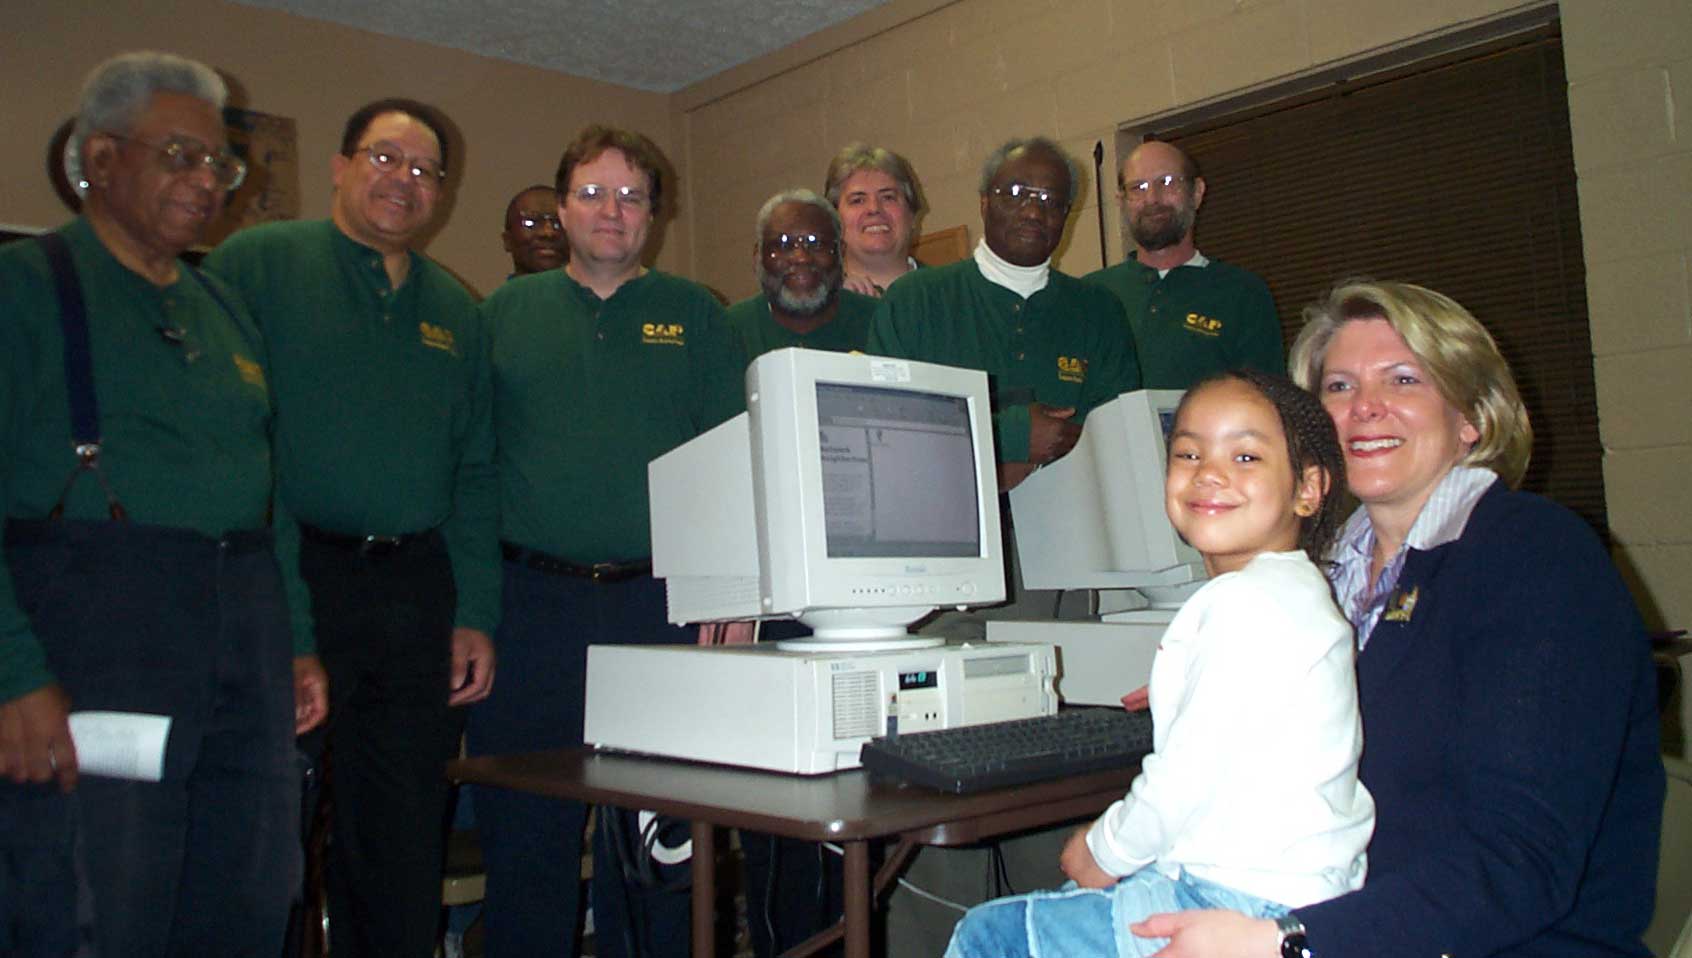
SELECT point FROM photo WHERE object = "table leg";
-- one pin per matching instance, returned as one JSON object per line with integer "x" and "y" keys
{"x": 705, "y": 891}
{"x": 857, "y": 895}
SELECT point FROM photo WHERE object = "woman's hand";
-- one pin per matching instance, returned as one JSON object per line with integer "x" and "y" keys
{"x": 1211, "y": 934}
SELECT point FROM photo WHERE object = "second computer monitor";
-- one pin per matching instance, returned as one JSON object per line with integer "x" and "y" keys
{"x": 1095, "y": 518}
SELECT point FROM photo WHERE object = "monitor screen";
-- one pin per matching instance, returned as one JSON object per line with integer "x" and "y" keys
{"x": 898, "y": 472}
{"x": 857, "y": 494}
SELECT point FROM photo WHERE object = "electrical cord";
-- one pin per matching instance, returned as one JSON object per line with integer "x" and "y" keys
{"x": 909, "y": 886}
{"x": 769, "y": 891}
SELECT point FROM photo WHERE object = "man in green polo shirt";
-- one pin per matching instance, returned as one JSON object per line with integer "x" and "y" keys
{"x": 791, "y": 893}
{"x": 135, "y": 478}
{"x": 1052, "y": 346}
{"x": 797, "y": 259}
{"x": 385, "y": 457}
{"x": 598, "y": 368}
{"x": 1192, "y": 315}
{"x": 533, "y": 235}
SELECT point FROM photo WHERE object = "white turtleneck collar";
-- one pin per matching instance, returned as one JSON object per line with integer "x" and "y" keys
{"x": 1024, "y": 281}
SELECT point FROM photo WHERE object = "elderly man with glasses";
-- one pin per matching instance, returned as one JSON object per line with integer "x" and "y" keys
{"x": 385, "y": 458}
{"x": 1054, "y": 347}
{"x": 600, "y": 367}
{"x": 798, "y": 258}
{"x": 140, "y": 577}
{"x": 1192, "y": 315}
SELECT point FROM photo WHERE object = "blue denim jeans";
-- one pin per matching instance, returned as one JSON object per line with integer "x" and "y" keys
{"x": 1073, "y": 922}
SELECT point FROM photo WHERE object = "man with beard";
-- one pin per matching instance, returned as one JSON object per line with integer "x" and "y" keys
{"x": 1052, "y": 346}
{"x": 534, "y": 235}
{"x": 794, "y": 888}
{"x": 599, "y": 367}
{"x": 797, "y": 259}
{"x": 1192, "y": 315}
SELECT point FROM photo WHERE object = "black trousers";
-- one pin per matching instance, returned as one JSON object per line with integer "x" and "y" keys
{"x": 164, "y": 621}
{"x": 532, "y": 844}
{"x": 384, "y": 633}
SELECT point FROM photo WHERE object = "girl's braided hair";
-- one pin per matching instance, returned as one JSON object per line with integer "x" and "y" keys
{"x": 1311, "y": 441}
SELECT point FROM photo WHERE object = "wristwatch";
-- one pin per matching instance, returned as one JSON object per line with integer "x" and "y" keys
{"x": 1292, "y": 937}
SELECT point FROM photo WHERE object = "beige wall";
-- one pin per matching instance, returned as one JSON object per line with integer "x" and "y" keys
{"x": 514, "y": 119}
{"x": 1630, "y": 102}
{"x": 951, "y": 82}
{"x": 943, "y": 82}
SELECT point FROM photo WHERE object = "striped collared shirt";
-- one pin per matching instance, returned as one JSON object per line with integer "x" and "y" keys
{"x": 1441, "y": 520}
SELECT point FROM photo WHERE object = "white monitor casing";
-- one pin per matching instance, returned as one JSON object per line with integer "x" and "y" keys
{"x": 739, "y": 529}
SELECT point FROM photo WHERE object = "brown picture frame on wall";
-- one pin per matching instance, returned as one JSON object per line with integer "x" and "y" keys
{"x": 942, "y": 246}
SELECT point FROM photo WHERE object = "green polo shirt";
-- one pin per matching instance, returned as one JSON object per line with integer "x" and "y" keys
{"x": 847, "y": 332}
{"x": 1196, "y": 320}
{"x": 588, "y": 391}
{"x": 1067, "y": 345}
{"x": 382, "y": 396}
{"x": 185, "y": 428}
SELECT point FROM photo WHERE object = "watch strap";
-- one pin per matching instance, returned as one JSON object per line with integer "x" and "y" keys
{"x": 1292, "y": 937}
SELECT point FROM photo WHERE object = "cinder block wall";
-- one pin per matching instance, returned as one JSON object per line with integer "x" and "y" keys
{"x": 1630, "y": 103}
{"x": 950, "y": 82}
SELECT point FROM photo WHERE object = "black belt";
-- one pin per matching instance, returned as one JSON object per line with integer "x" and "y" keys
{"x": 598, "y": 571}
{"x": 29, "y": 532}
{"x": 373, "y": 546}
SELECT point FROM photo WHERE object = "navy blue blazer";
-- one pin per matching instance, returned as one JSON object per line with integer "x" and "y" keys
{"x": 1510, "y": 740}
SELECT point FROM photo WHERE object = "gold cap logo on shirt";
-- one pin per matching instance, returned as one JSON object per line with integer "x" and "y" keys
{"x": 1204, "y": 325}
{"x": 663, "y": 334}
{"x": 438, "y": 337}
{"x": 251, "y": 373}
{"x": 1072, "y": 369}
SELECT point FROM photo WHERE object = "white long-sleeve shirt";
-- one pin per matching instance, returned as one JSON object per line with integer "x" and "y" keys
{"x": 1252, "y": 782}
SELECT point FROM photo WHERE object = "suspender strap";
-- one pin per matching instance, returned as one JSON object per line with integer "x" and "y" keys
{"x": 79, "y": 373}
{"x": 73, "y": 323}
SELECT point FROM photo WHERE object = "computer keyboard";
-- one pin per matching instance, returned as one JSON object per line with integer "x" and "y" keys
{"x": 980, "y": 757}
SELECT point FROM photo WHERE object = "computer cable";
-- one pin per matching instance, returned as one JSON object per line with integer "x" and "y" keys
{"x": 910, "y": 886}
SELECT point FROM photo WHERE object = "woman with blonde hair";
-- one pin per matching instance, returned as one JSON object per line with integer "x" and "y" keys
{"x": 1509, "y": 709}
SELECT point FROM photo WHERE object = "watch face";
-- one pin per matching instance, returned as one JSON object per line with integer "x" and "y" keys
{"x": 1292, "y": 946}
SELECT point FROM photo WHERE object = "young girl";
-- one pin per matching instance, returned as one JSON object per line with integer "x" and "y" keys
{"x": 1250, "y": 800}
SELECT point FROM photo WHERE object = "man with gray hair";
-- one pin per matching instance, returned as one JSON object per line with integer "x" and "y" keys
{"x": 140, "y": 578}
{"x": 797, "y": 258}
{"x": 794, "y": 891}
{"x": 1052, "y": 346}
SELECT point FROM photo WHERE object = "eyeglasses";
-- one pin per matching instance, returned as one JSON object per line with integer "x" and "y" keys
{"x": 1018, "y": 195}
{"x": 387, "y": 158}
{"x": 592, "y": 194}
{"x": 1140, "y": 189}
{"x": 532, "y": 222}
{"x": 186, "y": 155}
{"x": 787, "y": 244}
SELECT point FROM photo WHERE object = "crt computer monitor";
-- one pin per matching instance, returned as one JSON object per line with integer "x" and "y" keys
{"x": 1095, "y": 518}
{"x": 857, "y": 494}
